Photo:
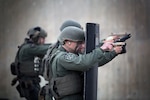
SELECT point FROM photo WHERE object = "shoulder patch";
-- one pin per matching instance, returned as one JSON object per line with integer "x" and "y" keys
{"x": 32, "y": 45}
{"x": 69, "y": 56}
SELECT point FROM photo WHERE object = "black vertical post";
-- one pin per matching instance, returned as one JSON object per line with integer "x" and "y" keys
{"x": 90, "y": 77}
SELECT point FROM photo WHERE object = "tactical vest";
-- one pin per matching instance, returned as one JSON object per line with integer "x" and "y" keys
{"x": 60, "y": 86}
{"x": 28, "y": 68}
{"x": 14, "y": 66}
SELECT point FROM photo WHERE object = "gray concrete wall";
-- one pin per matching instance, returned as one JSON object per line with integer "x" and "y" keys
{"x": 124, "y": 78}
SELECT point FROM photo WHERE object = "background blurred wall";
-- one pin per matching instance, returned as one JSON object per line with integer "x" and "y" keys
{"x": 124, "y": 78}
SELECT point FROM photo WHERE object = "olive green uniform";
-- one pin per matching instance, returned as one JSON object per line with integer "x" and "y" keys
{"x": 27, "y": 65}
{"x": 29, "y": 51}
{"x": 29, "y": 82}
{"x": 65, "y": 63}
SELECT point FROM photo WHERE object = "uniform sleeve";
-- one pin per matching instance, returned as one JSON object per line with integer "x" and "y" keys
{"x": 107, "y": 57}
{"x": 71, "y": 61}
{"x": 38, "y": 50}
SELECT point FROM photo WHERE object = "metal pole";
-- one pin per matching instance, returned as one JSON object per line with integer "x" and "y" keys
{"x": 90, "y": 77}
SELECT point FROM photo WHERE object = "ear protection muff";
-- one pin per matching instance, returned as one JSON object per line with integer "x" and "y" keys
{"x": 36, "y": 32}
{"x": 69, "y": 43}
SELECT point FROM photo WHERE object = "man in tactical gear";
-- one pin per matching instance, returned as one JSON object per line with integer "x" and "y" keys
{"x": 44, "y": 90}
{"x": 67, "y": 63}
{"x": 28, "y": 64}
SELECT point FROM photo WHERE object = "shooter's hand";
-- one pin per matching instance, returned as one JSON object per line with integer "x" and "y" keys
{"x": 107, "y": 46}
{"x": 118, "y": 49}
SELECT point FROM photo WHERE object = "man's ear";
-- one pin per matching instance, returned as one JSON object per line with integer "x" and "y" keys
{"x": 69, "y": 43}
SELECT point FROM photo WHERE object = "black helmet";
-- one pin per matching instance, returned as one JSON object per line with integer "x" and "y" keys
{"x": 36, "y": 32}
{"x": 70, "y": 23}
{"x": 71, "y": 33}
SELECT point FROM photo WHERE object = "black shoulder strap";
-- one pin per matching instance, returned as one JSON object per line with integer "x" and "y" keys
{"x": 46, "y": 61}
